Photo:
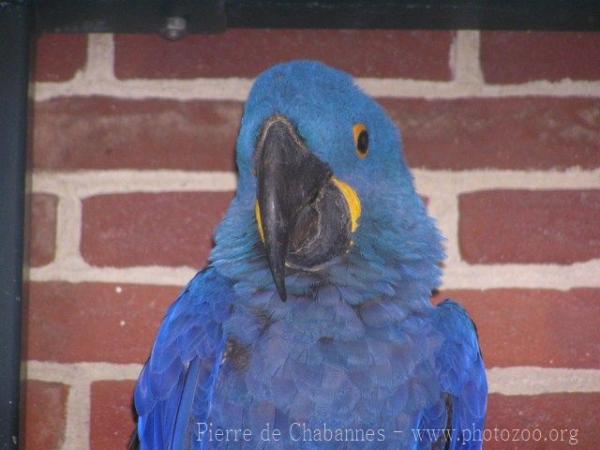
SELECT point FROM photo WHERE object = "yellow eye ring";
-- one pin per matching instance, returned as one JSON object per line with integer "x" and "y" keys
{"x": 361, "y": 139}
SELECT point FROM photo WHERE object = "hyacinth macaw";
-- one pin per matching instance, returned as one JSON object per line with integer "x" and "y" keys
{"x": 312, "y": 326}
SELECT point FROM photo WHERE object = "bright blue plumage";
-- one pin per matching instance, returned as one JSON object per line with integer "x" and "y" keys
{"x": 357, "y": 346}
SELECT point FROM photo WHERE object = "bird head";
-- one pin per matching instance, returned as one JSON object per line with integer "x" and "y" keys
{"x": 324, "y": 194}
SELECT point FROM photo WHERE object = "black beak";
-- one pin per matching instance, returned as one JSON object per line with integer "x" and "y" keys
{"x": 290, "y": 178}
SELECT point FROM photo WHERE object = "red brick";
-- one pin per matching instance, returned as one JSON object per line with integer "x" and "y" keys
{"x": 247, "y": 52}
{"x": 112, "y": 420}
{"x": 42, "y": 229}
{"x": 513, "y": 133}
{"x": 576, "y": 414}
{"x": 44, "y": 415}
{"x": 59, "y": 56}
{"x": 169, "y": 229}
{"x": 94, "y": 321}
{"x": 519, "y": 226}
{"x": 535, "y": 327}
{"x": 107, "y": 133}
{"x": 518, "y": 57}
{"x": 508, "y": 133}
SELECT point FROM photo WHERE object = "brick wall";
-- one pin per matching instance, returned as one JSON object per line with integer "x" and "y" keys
{"x": 502, "y": 130}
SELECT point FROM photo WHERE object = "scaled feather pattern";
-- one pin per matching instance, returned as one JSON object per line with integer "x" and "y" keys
{"x": 357, "y": 357}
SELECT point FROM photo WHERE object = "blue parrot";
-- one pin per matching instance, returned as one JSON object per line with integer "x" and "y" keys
{"x": 312, "y": 326}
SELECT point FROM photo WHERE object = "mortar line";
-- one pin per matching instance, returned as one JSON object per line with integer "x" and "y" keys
{"x": 457, "y": 275}
{"x": 512, "y": 380}
{"x": 237, "y": 89}
{"x": 465, "y": 59}
{"x": 444, "y": 208}
{"x": 68, "y": 227}
{"x": 78, "y": 414}
{"x": 100, "y": 58}
{"x": 428, "y": 182}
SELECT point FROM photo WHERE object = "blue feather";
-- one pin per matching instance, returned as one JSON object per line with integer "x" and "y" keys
{"x": 358, "y": 344}
{"x": 191, "y": 333}
{"x": 182, "y": 421}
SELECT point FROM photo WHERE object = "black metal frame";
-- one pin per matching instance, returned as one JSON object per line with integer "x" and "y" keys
{"x": 15, "y": 23}
{"x": 174, "y": 18}
{"x": 417, "y": 14}
{"x": 150, "y": 16}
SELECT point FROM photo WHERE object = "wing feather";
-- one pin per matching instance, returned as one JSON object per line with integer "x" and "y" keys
{"x": 461, "y": 409}
{"x": 463, "y": 378}
{"x": 189, "y": 339}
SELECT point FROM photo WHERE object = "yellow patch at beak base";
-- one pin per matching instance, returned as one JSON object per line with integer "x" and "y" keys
{"x": 259, "y": 222}
{"x": 353, "y": 201}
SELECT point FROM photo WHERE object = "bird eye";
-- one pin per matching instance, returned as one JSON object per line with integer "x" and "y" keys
{"x": 361, "y": 139}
